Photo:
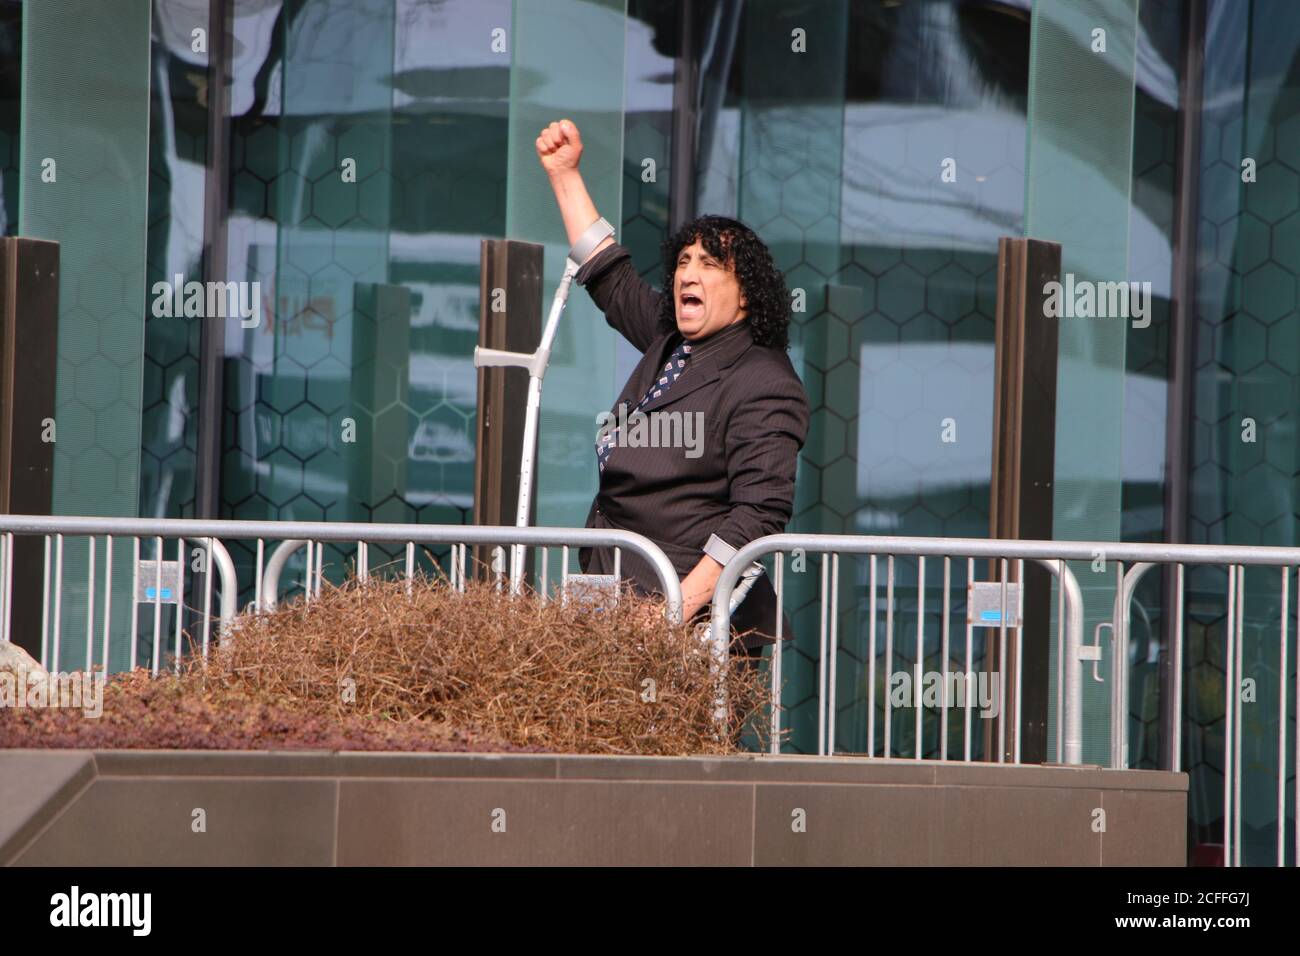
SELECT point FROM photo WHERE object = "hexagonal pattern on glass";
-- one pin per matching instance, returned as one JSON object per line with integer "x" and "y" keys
{"x": 1243, "y": 446}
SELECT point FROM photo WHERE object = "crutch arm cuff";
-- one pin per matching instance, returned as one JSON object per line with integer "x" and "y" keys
{"x": 589, "y": 240}
{"x": 719, "y": 550}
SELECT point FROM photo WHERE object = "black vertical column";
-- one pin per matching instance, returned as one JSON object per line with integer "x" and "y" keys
{"x": 685, "y": 125}
{"x": 1182, "y": 339}
{"x": 510, "y": 319}
{"x": 212, "y": 340}
{"x": 1024, "y": 461}
{"x": 29, "y": 340}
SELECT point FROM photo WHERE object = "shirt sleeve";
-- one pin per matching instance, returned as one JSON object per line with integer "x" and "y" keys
{"x": 762, "y": 443}
{"x": 630, "y": 304}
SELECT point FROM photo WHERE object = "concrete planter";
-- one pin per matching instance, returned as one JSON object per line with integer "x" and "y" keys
{"x": 215, "y": 808}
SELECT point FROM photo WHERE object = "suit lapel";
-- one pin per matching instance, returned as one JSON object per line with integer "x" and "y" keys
{"x": 714, "y": 355}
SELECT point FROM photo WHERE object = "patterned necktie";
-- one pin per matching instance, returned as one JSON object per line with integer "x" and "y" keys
{"x": 671, "y": 371}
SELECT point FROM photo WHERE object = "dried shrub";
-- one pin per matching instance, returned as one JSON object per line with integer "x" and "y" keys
{"x": 435, "y": 669}
{"x": 168, "y": 712}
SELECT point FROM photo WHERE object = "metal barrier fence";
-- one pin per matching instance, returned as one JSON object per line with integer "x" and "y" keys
{"x": 999, "y": 601}
{"x": 157, "y": 582}
{"x": 997, "y": 604}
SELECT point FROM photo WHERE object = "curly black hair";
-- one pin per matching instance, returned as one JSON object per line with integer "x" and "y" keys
{"x": 767, "y": 300}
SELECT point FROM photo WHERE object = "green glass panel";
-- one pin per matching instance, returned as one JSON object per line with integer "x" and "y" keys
{"x": 789, "y": 176}
{"x": 1077, "y": 192}
{"x": 84, "y": 183}
{"x": 369, "y": 160}
{"x": 178, "y": 137}
{"x": 567, "y": 60}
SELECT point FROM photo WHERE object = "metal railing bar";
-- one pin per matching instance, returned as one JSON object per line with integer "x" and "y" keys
{"x": 1236, "y": 703}
{"x": 889, "y": 651}
{"x": 157, "y": 603}
{"x": 337, "y": 532}
{"x": 309, "y": 569}
{"x": 917, "y": 750}
{"x": 970, "y": 653}
{"x": 1073, "y": 648}
{"x": 1230, "y": 633}
{"x": 1281, "y": 720}
{"x": 1002, "y": 665}
{"x": 208, "y": 558}
{"x": 320, "y": 568}
{"x": 57, "y": 630}
{"x": 1019, "y": 638}
{"x": 9, "y": 589}
{"x": 90, "y": 603}
{"x": 1060, "y": 659}
{"x": 871, "y": 663}
{"x": 778, "y": 565}
{"x": 1130, "y": 584}
{"x": 944, "y": 664}
{"x": 1035, "y": 550}
{"x": 180, "y": 597}
{"x": 135, "y": 602}
{"x": 821, "y": 659}
{"x": 108, "y": 600}
{"x": 267, "y": 596}
{"x": 45, "y": 607}
{"x": 4, "y": 598}
{"x": 1119, "y": 660}
{"x": 835, "y": 649}
{"x": 1177, "y": 750}
{"x": 259, "y": 569}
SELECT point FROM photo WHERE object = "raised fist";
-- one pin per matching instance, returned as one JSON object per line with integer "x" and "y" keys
{"x": 559, "y": 147}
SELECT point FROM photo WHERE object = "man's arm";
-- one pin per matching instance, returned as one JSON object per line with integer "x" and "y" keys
{"x": 762, "y": 441}
{"x": 629, "y": 304}
{"x": 559, "y": 147}
{"x": 698, "y": 585}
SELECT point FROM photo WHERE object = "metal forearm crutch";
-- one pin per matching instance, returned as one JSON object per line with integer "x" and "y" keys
{"x": 718, "y": 649}
{"x": 536, "y": 363}
{"x": 748, "y": 578}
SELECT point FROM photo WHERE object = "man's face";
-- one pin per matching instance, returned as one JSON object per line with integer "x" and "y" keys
{"x": 707, "y": 293}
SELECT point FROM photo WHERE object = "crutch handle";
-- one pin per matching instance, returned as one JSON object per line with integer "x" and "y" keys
{"x": 535, "y": 362}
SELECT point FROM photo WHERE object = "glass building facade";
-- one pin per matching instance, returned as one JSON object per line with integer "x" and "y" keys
{"x": 348, "y": 156}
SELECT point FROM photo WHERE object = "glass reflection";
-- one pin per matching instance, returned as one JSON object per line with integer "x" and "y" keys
{"x": 369, "y": 144}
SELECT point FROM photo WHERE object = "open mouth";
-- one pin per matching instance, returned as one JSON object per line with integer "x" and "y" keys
{"x": 690, "y": 305}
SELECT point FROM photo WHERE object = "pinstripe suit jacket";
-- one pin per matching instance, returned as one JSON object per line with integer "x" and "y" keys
{"x": 734, "y": 481}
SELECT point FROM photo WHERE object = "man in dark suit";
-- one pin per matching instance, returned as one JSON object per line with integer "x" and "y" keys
{"x": 699, "y": 454}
